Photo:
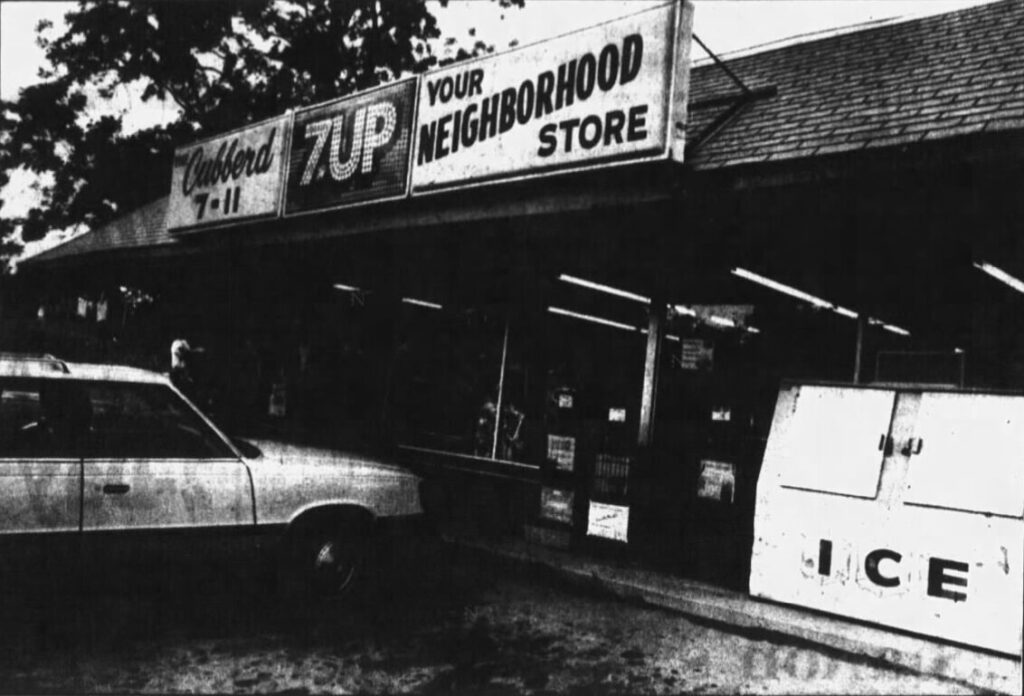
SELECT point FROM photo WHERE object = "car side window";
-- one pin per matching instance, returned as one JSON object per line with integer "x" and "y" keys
{"x": 148, "y": 421}
{"x": 42, "y": 419}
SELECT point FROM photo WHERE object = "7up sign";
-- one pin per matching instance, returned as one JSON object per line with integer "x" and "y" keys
{"x": 352, "y": 150}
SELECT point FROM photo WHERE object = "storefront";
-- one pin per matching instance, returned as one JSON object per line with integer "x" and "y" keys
{"x": 580, "y": 321}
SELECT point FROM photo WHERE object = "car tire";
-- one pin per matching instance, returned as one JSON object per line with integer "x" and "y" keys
{"x": 326, "y": 562}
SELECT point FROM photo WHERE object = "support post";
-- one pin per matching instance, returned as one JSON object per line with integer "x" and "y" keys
{"x": 655, "y": 332}
{"x": 862, "y": 322}
{"x": 501, "y": 393}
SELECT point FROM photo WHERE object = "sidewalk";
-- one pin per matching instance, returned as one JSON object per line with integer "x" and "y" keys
{"x": 739, "y": 611}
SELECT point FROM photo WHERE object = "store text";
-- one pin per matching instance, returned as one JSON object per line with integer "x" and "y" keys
{"x": 942, "y": 573}
{"x": 371, "y": 128}
{"x": 229, "y": 164}
{"x": 551, "y": 91}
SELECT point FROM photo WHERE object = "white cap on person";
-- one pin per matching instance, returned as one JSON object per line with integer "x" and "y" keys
{"x": 179, "y": 349}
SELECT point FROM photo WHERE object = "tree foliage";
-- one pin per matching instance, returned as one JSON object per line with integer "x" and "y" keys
{"x": 222, "y": 63}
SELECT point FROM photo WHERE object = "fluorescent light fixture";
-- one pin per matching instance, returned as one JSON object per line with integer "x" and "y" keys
{"x": 823, "y": 304}
{"x": 591, "y": 318}
{"x": 721, "y": 321}
{"x": 958, "y": 351}
{"x": 781, "y": 287}
{"x": 684, "y": 310}
{"x": 670, "y": 337}
{"x": 895, "y": 329}
{"x": 346, "y": 288}
{"x": 888, "y": 327}
{"x": 604, "y": 288}
{"x": 421, "y": 303}
{"x": 1000, "y": 275}
{"x": 753, "y": 329}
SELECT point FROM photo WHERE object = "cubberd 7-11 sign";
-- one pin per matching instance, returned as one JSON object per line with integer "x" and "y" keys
{"x": 610, "y": 93}
{"x": 229, "y": 178}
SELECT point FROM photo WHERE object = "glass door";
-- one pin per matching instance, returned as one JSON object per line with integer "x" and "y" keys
{"x": 713, "y": 408}
{"x": 594, "y": 344}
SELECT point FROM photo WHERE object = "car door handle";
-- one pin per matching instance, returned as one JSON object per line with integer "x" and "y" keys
{"x": 116, "y": 488}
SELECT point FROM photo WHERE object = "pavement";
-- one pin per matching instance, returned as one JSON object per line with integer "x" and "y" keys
{"x": 742, "y": 613}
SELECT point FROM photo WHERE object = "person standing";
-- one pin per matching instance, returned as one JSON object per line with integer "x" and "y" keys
{"x": 181, "y": 371}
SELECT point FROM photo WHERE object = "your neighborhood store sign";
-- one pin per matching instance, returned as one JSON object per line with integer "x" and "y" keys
{"x": 597, "y": 96}
{"x": 229, "y": 178}
{"x": 611, "y": 94}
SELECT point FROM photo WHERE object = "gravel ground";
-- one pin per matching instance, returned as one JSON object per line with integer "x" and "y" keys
{"x": 463, "y": 626}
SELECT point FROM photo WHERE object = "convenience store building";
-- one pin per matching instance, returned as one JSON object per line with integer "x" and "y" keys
{"x": 567, "y": 280}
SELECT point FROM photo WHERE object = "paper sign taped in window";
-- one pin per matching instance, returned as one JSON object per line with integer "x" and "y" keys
{"x": 562, "y": 451}
{"x": 608, "y": 521}
{"x": 611, "y": 475}
{"x": 717, "y": 481}
{"x": 277, "y": 406}
{"x": 556, "y": 505}
{"x": 723, "y": 414}
{"x": 696, "y": 354}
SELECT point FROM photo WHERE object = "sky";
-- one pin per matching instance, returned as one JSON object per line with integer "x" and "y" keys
{"x": 726, "y": 26}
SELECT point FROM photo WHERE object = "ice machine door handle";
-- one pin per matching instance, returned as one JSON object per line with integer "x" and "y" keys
{"x": 909, "y": 449}
{"x": 885, "y": 444}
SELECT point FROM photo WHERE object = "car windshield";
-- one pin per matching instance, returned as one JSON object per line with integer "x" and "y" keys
{"x": 79, "y": 418}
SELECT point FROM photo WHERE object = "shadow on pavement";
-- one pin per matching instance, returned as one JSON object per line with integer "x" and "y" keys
{"x": 54, "y": 612}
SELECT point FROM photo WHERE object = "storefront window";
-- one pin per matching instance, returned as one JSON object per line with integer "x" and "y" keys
{"x": 448, "y": 371}
{"x": 558, "y": 382}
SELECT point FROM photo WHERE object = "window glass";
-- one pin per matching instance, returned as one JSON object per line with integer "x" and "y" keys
{"x": 557, "y": 379}
{"x": 147, "y": 421}
{"x": 24, "y": 431}
{"x": 52, "y": 418}
{"x": 447, "y": 373}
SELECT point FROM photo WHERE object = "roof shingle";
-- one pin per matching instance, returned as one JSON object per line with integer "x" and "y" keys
{"x": 142, "y": 227}
{"x": 926, "y": 79}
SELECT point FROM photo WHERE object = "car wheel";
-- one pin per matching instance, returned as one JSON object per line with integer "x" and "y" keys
{"x": 329, "y": 562}
{"x": 336, "y": 566}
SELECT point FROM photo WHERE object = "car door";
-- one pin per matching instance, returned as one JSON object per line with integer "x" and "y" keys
{"x": 158, "y": 479}
{"x": 40, "y": 477}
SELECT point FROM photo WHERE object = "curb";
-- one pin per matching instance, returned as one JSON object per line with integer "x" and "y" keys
{"x": 734, "y": 610}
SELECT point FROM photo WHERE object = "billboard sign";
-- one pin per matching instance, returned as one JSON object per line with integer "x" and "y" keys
{"x": 594, "y": 97}
{"x": 229, "y": 178}
{"x": 351, "y": 150}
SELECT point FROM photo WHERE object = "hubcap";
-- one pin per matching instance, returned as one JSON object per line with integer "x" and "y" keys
{"x": 333, "y": 569}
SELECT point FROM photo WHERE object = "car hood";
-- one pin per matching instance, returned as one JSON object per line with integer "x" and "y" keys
{"x": 291, "y": 479}
{"x": 289, "y": 454}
